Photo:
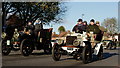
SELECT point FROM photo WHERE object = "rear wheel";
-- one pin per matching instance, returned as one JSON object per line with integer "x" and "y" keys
{"x": 26, "y": 47}
{"x": 110, "y": 46}
{"x": 86, "y": 54}
{"x": 6, "y": 49}
{"x": 115, "y": 45}
{"x": 56, "y": 54}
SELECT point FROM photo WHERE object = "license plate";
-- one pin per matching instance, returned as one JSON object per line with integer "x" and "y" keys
{"x": 8, "y": 42}
{"x": 69, "y": 48}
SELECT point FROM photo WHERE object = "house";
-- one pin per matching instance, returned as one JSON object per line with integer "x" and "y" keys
{"x": 62, "y": 35}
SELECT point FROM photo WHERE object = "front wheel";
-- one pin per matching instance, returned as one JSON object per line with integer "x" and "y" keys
{"x": 56, "y": 52}
{"x": 86, "y": 54}
{"x": 26, "y": 47}
{"x": 6, "y": 49}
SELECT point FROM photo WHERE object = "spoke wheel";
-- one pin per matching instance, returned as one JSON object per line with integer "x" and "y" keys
{"x": 5, "y": 48}
{"x": 56, "y": 53}
{"x": 26, "y": 47}
{"x": 86, "y": 54}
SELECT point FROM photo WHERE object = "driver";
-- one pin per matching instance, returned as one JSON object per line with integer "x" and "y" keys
{"x": 78, "y": 27}
{"x": 30, "y": 28}
{"x": 92, "y": 27}
{"x": 93, "y": 31}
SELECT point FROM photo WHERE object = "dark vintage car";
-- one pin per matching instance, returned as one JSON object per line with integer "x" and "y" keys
{"x": 43, "y": 41}
{"x": 26, "y": 43}
{"x": 10, "y": 42}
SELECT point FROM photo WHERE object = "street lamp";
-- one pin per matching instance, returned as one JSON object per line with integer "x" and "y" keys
{"x": 83, "y": 15}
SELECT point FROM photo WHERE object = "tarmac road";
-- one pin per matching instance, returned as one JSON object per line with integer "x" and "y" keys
{"x": 40, "y": 59}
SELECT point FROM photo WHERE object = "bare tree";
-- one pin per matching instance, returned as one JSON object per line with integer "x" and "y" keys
{"x": 111, "y": 25}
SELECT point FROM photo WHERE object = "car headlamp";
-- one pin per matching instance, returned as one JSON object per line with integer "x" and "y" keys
{"x": 16, "y": 35}
{"x": 75, "y": 42}
{"x": 59, "y": 41}
{"x": 3, "y": 35}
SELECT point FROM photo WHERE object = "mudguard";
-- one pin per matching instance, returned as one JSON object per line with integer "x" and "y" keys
{"x": 97, "y": 48}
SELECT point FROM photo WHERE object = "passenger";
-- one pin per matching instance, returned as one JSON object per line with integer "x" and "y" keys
{"x": 38, "y": 27}
{"x": 78, "y": 27}
{"x": 84, "y": 27}
{"x": 30, "y": 28}
{"x": 102, "y": 30}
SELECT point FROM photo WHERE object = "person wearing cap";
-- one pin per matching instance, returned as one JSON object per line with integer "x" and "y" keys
{"x": 92, "y": 27}
{"x": 93, "y": 31}
{"x": 78, "y": 27}
{"x": 102, "y": 29}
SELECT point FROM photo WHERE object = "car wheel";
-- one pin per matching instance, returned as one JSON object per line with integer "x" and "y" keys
{"x": 86, "y": 54}
{"x": 26, "y": 47}
{"x": 6, "y": 49}
{"x": 56, "y": 54}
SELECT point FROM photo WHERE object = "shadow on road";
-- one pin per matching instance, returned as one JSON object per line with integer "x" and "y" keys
{"x": 95, "y": 58}
{"x": 105, "y": 56}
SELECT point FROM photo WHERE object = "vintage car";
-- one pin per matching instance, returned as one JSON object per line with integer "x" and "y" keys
{"x": 77, "y": 45}
{"x": 26, "y": 43}
{"x": 10, "y": 43}
{"x": 43, "y": 41}
{"x": 109, "y": 44}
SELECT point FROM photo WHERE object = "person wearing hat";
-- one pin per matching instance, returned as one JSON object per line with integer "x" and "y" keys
{"x": 92, "y": 27}
{"x": 102, "y": 29}
{"x": 78, "y": 27}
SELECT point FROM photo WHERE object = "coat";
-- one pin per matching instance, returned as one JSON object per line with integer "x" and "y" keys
{"x": 94, "y": 28}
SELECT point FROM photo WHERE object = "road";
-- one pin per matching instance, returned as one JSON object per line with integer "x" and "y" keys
{"x": 40, "y": 59}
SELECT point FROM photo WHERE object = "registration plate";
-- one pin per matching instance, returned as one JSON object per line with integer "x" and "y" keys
{"x": 8, "y": 42}
{"x": 69, "y": 48}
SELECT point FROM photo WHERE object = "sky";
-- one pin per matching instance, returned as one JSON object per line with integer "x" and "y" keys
{"x": 91, "y": 10}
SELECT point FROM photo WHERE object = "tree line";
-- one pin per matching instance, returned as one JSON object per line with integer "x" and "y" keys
{"x": 31, "y": 11}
